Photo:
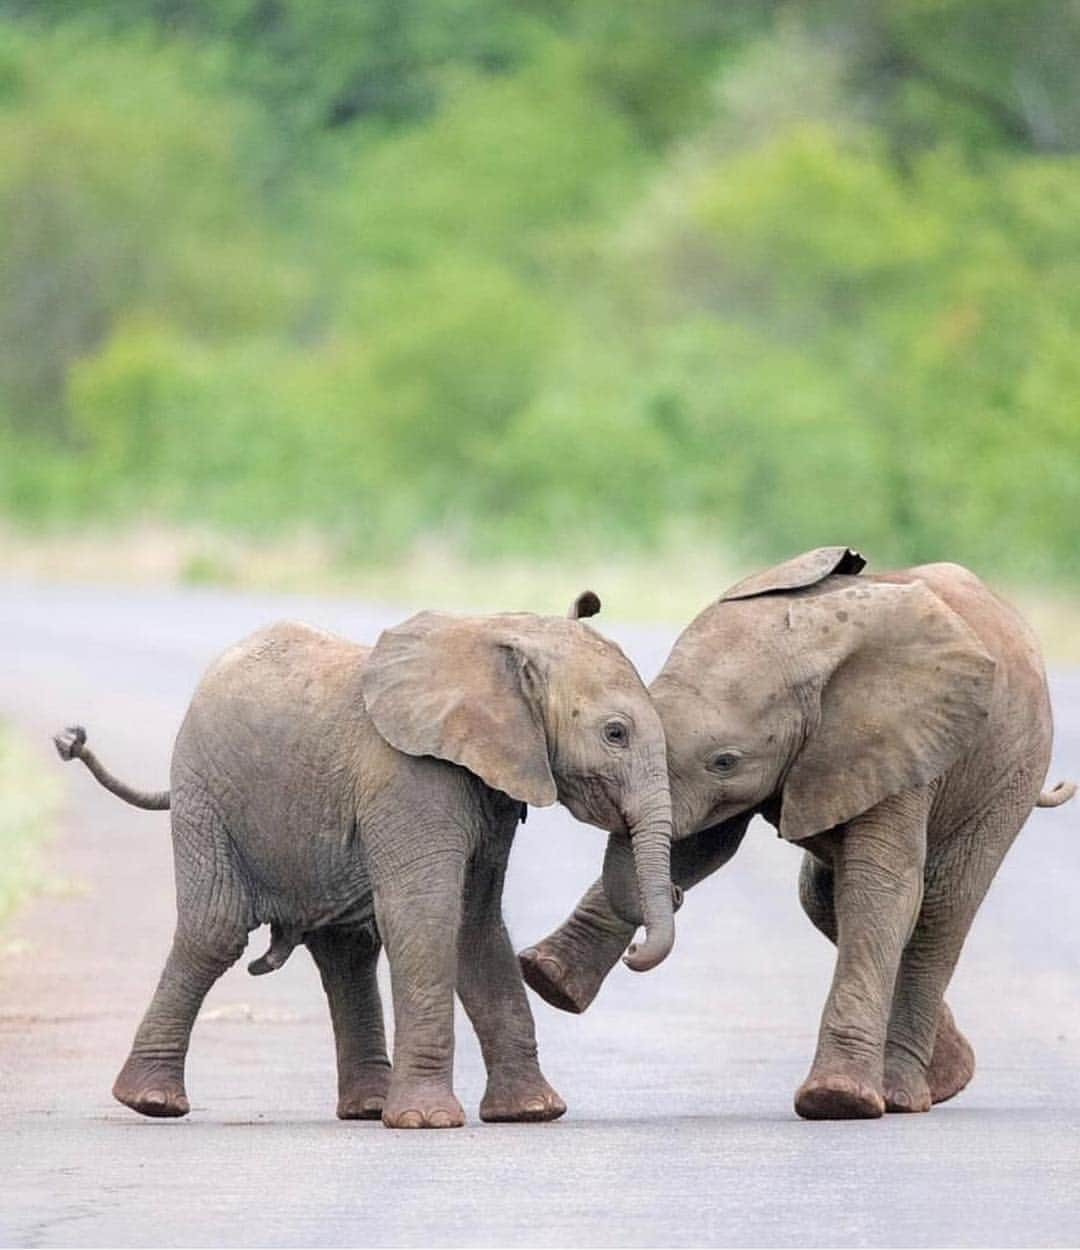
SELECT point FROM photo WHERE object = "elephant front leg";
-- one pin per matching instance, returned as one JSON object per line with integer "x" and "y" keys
{"x": 419, "y": 914}
{"x": 568, "y": 967}
{"x": 347, "y": 961}
{"x": 952, "y": 1063}
{"x": 878, "y": 864}
{"x": 490, "y": 988}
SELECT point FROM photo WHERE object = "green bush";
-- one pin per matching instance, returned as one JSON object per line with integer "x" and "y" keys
{"x": 548, "y": 278}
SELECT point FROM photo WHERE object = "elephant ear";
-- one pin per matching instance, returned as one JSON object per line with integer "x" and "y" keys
{"x": 586, "y": 604}
{"x": 466, "y": 690}
{"x": 903, "y": 687}
{"x": 799, "y": 572}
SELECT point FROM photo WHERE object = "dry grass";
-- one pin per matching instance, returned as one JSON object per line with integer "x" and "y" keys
{"x": 668, "y": 588}
{"x": 1055, "y": 617}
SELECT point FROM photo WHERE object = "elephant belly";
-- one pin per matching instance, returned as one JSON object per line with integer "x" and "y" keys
{"x": 311, "y": 880}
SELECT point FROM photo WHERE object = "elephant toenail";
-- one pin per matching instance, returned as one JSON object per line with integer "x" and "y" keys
{"x": 410, "y": 1119}
{"x": 440, "y": 1119}
{"x": 154, "y": 1098}
{"x": 535, "y": 1104}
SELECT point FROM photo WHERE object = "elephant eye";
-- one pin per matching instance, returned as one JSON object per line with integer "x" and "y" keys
{"x": 616, "y": 733}
{"x": 724, "y": 762}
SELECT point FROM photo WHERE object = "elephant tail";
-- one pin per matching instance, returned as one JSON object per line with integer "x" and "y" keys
{"x": 71, "y": 745}
{"x": 1061, "y": 793}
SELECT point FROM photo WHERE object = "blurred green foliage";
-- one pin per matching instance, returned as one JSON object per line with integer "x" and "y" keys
{"x": 548, "y": 276}
{"x": 28, "y": 803}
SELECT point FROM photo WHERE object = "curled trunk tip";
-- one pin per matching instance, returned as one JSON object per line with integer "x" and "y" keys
{"x": 654, "y": 950}
{"x": 651, "y": 845}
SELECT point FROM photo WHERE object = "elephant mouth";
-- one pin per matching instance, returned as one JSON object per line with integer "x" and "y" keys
{"x": 591, "y": 800}
{"x": 718, "y": 815}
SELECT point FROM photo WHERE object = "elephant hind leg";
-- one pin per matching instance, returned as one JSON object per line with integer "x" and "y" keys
{"x": 952, "y": 1064}
{"x": 152, "y": 1080}
{"x": 347, "y": 960}
{"x": 957, "y": 878}
{"x": 214, "y": 917}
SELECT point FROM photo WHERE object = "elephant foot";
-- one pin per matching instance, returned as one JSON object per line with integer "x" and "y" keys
{"x": 545, "y": 973}
{"x": 838, "y": 1096}
{"x": 568, "y": 967}
{"x": 422, "y": 1105}
{"x": 953, "y": 1063}
{"x": 151, "y": 1088}
{"x": 566, "y": 977}
{"x": 906, "y": 1089}
{"x": 520, "y": 1098}
{"x": 362, "y": 1095}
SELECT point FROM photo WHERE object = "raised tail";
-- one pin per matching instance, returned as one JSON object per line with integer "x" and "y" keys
{"x": 71, "y": 745}
{"x": 1061, "y": 793}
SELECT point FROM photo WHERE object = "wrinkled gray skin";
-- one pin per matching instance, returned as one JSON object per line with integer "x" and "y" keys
{"x": 352, "y": 797}
{"x": 898, "y": 727}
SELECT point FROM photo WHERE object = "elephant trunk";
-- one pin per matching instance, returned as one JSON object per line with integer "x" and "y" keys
{"x": 637, "y": 881}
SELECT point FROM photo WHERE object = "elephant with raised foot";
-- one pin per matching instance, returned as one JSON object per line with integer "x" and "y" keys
{"x": 354, "y": 797}
{"x": 897, "y": 727}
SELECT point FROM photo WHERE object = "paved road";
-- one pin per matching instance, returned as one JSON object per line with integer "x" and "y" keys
{"x": 680, "y": 1130}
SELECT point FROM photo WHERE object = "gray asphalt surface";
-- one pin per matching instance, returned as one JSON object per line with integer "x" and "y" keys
{"x": 679, "y": 1082}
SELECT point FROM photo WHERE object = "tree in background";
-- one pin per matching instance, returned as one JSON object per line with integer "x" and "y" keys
{"x": 548, "y": 272}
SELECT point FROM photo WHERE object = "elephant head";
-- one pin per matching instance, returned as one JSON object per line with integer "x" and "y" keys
{"x": 815, "y": 693}
{"x": 541, "y": 709}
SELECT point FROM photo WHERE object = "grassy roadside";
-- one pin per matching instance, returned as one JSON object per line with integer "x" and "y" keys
{"x": 668, "y": 587}
{"x": 28, "y": 799}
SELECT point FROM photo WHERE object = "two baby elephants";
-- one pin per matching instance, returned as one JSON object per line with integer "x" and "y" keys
{"x": 896, "y": 725}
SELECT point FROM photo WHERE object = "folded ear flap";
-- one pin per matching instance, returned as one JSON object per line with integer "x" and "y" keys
{"x": 586, "y": 604}
{"x": 464, "y": 689}
{"x": 800, "y": 571}
{"x": 903, "y": 686}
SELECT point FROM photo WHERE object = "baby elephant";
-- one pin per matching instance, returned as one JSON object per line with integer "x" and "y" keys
{"x": 352, "y": 797}
{"x": 897, "y": 727}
